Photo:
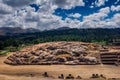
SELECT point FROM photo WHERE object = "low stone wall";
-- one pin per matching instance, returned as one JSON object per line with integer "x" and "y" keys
{"x": 110, "y": 57}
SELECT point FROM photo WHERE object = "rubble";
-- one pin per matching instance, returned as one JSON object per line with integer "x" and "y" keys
{"x": 68, "y": 53}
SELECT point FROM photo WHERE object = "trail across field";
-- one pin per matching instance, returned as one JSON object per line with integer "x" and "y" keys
{"x": 8, "y": 72}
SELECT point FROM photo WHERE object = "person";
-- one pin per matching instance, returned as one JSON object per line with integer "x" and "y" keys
{"x": 61, "y": 76}
{"x": 70, "y": 76}
{"x": 78, "y": 77}
{"x": 45, "y": 74}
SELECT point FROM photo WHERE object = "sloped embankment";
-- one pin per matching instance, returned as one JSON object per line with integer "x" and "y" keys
{"x": 69, "y": 53}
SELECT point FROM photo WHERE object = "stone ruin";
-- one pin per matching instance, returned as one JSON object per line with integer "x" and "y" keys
{"x": 67, "y": 53}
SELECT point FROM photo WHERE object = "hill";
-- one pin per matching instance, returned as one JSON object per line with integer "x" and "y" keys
{"x": 16, "y": 30}
{"x": 102, "y": 36}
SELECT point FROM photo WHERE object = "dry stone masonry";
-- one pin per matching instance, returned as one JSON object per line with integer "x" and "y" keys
{"x": 67, "y": 53}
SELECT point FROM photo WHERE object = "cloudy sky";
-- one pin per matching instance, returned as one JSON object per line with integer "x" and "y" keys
{"x": 52, "y": 14}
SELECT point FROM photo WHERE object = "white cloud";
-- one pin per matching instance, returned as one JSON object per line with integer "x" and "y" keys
{"x": 13, "y": 22}
{"x": 115, "y": 21}
{"x": 26, "y": 17}
{"x": 117, "y": 2}
{"x": 43, "y": 19}
{"x": 97, "y": 20}
{"x": 76, "y": 15}
{"x": 99, "y": 3}
{"x": 4, "y": 9}
{"x": 68, "y": 4}
{"x": 98, "y": 16}
{"x": 115, "y": 8}
{"x": 105, "y": 10}
{"x": 17, "y": 3}
{"x": 73, "y": 23}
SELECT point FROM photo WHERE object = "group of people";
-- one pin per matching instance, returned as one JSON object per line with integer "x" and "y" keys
{"x": 70, "y": 76}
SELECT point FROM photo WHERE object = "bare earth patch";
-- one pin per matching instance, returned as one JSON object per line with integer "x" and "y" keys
{"x": 35, "y": 72}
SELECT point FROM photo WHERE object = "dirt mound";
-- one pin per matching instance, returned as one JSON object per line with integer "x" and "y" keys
{"x": 56, "y": 53}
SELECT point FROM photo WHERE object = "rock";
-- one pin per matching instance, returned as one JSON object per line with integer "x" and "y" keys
{"x": 60, "y": 51}
{"x": 49, "y": 58}
{"x": 77, "y": 54}
{"x": 56, "y": 53}
{"x": 35, "y": 60}
{"x": 70, "y": 63}
{"x": 59, "y": 59}
{"x": 55, "y": 62}
{"x": 81, "y": 59}
{"x": 51, "y": 48}
{"x": 69, "y": 58}
{"x": 37, "y": 53}
{"x": 76, "y": 61}
{"x": 91, "y": 59}
{"x": 26, "y": 55}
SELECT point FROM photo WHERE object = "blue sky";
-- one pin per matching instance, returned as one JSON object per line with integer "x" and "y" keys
{"x": 52, "y": 14}
{"x": 86, "y": 10}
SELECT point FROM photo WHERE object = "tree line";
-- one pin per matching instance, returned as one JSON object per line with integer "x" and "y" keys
{"x": 104, "y": 36}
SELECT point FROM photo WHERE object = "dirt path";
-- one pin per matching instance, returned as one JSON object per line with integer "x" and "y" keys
{"x": 54, "y": 70}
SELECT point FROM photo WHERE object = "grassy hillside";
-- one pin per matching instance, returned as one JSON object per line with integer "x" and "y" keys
{"x": 103, "y": 36}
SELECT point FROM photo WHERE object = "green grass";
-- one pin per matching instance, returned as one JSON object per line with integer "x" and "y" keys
{"x": 4, "y": 52}
{"x": 101, "y": 42}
